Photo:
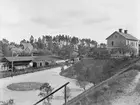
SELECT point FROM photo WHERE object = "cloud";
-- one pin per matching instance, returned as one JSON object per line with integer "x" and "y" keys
{"x": 76, "y": 13}
{"x": 90, "y": 21}
{"x": 49, "y": 23}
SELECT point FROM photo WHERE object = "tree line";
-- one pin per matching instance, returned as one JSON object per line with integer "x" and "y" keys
{"x": 61, "y": 45}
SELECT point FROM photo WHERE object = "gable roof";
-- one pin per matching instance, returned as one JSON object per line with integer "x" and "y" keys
{"x": 127, "y": 36}
{"x": 27, "y": 58}
{"x": 44, "y": 58}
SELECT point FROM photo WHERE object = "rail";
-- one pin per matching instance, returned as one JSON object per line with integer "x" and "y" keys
{"x": 53, "y": 93}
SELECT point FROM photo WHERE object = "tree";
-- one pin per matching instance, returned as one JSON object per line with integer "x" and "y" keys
{"x": 98, "y": 53}
{"x": 65, "y": 51}
{"x": 40, "y": 44}
{"x": 55, "y": 49}
{"x": 94, "y": 43}
{"x": 23, "y": 41}
{"x": 6, "y": 50}
{"x": 82, "y": 75}
{"x": 31, "y": 39}
{"x": 124, "y": 49}
{"x": 5, "y": 41}
{"x": 43, "y": 52}
{"x": 45, "y": 90}
{"x": 83, "y": 50}
{"x": 81, "y": 83}
{"x": 1, "y": 49}
{"x": 94, "y": 73}
{"x": 74, "y": 40}
{"x": 102, "y": 45}
{"x": 68, "y": 93}
{"x": 50, "y": 44}
{"x": 78, "y": 67}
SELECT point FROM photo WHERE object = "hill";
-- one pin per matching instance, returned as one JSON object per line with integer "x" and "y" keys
{"x": 95, "y": 68}
{"x": 120, "y": 89}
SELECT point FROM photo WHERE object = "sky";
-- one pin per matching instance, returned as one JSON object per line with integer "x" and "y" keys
{"x": 95, "y": 19}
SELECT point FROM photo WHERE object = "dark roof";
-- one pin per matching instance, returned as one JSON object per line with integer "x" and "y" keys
{"x": 27, "y": 58}
{"x": 46, "y": 58}
{"x": 127, "y": 36}
{"x": 31, "y": 58}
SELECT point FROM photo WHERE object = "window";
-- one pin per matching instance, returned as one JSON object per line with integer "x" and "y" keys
{"x": 132, "y": 43}
{"x": 112, "y": 43}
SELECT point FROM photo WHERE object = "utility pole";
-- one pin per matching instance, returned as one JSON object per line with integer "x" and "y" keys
{"x": 65, "y": 89}
{"x": 12, "y": 65}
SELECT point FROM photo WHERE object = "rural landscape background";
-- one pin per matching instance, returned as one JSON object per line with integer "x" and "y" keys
{"x": 91, "y": 48}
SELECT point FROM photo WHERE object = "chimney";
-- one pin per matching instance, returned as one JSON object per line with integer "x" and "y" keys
{"x": 120, "y": 30}
{"x": 125, "y": 31}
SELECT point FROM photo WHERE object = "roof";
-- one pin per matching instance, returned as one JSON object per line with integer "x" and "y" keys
{"x": 48, "y": 58}
{"x": 31, "y": 58}
{"x": 27, "y": 58}
{"x": 127, "y": 36}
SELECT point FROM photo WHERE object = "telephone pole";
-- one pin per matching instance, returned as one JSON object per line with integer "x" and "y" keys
{"x": 12, "y": 65}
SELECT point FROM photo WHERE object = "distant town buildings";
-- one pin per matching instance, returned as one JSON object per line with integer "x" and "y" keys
{"x": 27, "y": 47}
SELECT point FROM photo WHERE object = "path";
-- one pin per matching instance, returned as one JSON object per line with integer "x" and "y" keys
{"x": 30, "y": 97}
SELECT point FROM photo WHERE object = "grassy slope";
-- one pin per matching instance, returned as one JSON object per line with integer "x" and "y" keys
{"x": 98, "y": 63}
{"x": 114, "y": 89}
{"x": 89, "y": 61}
{"x": 123, "y": 90}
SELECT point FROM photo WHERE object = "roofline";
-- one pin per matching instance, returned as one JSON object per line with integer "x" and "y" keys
{"x": 112, "y": 34}
{"x": 133, "y": 39}
{"x": 123, "y": 36}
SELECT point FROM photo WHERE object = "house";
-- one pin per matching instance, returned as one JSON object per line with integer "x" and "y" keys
{"x": 139, "y": 47}
{"x": 120, "y": 38}
{"x": 27, "y": 47}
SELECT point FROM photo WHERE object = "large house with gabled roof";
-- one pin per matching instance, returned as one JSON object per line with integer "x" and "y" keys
{"x": 119, "y": 38}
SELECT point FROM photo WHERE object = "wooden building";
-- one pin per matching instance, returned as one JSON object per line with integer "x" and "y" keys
{"x": 42, "y": 61}
{"x": 18, "y": 62}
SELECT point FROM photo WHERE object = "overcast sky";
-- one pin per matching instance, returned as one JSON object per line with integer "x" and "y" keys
{"x": 95, "y": 19}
